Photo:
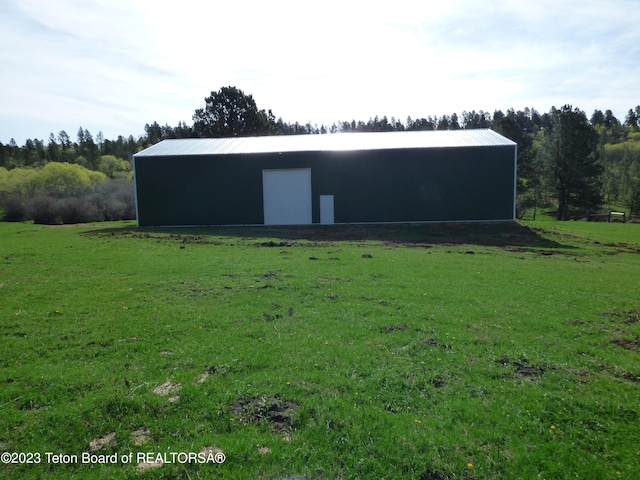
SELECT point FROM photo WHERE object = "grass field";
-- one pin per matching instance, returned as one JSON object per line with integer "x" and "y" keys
{"x": 425, "y": 352}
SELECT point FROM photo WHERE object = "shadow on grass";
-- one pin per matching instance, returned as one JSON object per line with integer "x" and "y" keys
{"x": 509, "y": 234}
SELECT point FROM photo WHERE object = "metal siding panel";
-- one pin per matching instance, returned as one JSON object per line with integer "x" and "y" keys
{"x": 135, "y": 190}
{"x": 515, "y": 180}
{"x": 421, "y": 185}
{"x": 187, "y": 191}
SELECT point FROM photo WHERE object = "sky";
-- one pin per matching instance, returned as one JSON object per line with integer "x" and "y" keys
{"x": 112, "y": 66}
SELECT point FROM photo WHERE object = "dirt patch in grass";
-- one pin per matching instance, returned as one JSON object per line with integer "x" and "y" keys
{"x": 575, "y": 321}
{"x": 141, "y": 436}
{"x": 621, "y": 321}
{"x": 167, "y": 388}
{"x": 210, "y": 452}
{"x": 619, "y": 372}
{"x": 431, "y": 474}
{"x": 522, "y": 367}
{"x": 632, "y": 377}
{"x": 408, "y": 235}
{"x": 277, "y": 412}
{"x": 108, "y": 440}
{"x": 626, "y": 343}
{"x": 619, "y": 247}
{"x": 183, "y": 238}
{"x": 264, "y": 450}
{"x": 625, "y": 316}
{"x": 632, "y": 317}
{"x": 210, "y": 371}
{"x": 527, "y": 371}
{"x": 271, "y": 244}
{"x": 541, "y": 252}
{"x": 144, "y": 466}
{"x": 435, "y": 343}
{"x": 393, "y": 328}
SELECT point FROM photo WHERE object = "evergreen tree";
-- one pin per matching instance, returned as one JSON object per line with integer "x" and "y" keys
{"x": 570, "y": 153}
{"x": 231, "y": 113}
{"x": 521, "y": 127}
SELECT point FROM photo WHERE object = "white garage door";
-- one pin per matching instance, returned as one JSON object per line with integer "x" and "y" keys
{"x": 287, "y": 196}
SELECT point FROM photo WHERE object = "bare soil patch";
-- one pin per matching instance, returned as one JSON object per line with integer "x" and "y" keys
{"x": 626, "y": 343}
{"x": 211, "y": 371}
{"x": 435, "y": 343}
{"x": 167, "y": 388}
{"x": 619, "y": 247}
{"x": 542, "y": 252}
{"x": 141, "y": 436}
{"x": 420, "y": 235}
{"x": 183, "y": 238}
{"x": 393, "y": 328}
{"x": 108, "y": 440}
{"x": 522, "y": 367}
{"x": 430, "y": 474}
{"x": 209, "y": 451}
{"x": 277, "y": 412}
{"x": 144, "y": 466}
{"x": 264, "y": 450}
{"x": 271, "y": 243}
{"x": 626, "y": 316}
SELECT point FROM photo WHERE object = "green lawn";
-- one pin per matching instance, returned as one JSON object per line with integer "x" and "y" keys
{"x": 428, "y": 352}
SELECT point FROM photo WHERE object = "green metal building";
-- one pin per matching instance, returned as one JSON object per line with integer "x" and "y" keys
{"x": 432, "y": 176}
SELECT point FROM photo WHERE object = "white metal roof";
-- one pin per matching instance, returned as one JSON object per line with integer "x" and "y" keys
{"x": 327, "y": 142}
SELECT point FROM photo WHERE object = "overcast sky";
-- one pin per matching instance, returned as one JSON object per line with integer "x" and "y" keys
{"x": 115, "y": 65}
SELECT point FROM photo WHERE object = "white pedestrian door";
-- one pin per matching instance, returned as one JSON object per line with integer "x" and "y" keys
{"x": 326, "y": 209}
{"x": 287, "y": 196}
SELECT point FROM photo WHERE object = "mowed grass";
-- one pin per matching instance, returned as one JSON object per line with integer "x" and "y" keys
{"x": 427, "y": 352}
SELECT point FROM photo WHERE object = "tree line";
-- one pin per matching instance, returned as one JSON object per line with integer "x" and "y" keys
{"x": 567, "y": 163}
{"x": 67, "y": 181}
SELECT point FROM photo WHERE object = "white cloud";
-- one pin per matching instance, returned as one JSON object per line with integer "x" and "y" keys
{"x": 114, "y": 65}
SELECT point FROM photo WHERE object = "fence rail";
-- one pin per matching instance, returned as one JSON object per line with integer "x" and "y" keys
{"x": 607, "y": 217}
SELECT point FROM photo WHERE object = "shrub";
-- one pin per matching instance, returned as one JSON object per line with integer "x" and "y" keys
{"x": 42, "y": 209}
{"x": 114, "y": 167}
{"x": 76, "y": 210}
{"x": 116, "y": 200}
{"x": 49, "y": 210}
{"x": 64, "y": 193}
{"x": 66, "y": 179}
{"x": 14, "y": 207}
{"x": 19, "y": 181}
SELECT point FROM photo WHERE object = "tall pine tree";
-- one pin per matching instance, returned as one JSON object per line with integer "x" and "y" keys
{"x": 569, "y": 150}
